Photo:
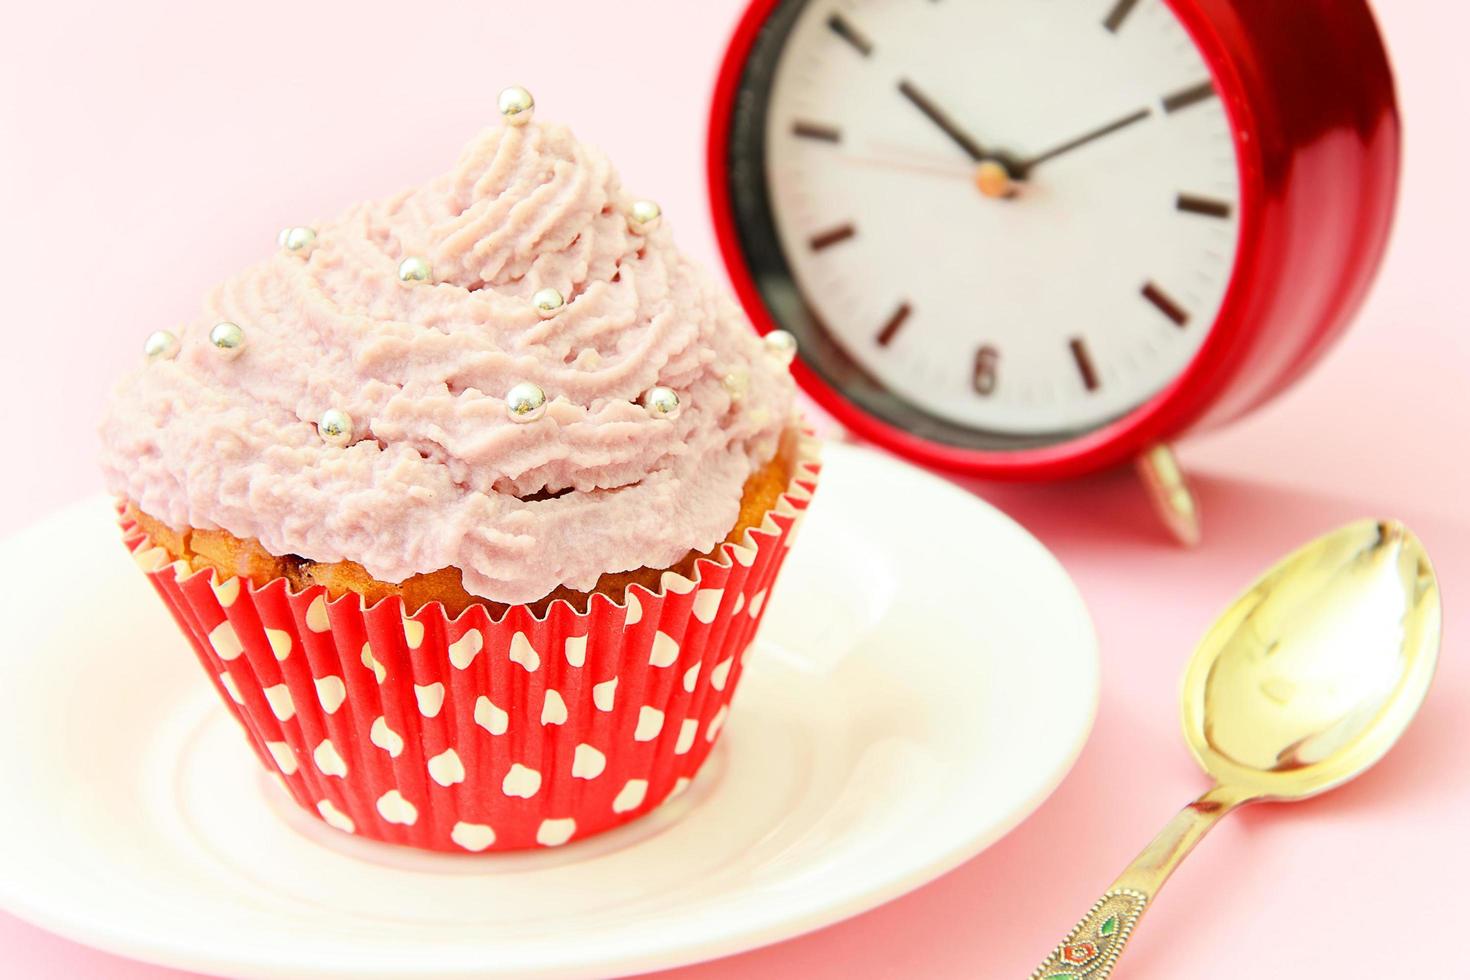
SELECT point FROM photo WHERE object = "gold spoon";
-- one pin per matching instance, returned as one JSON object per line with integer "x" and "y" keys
{"x": 1303, "y": 683}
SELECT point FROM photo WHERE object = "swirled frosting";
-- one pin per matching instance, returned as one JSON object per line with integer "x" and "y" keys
{"x": 438, "y": 475}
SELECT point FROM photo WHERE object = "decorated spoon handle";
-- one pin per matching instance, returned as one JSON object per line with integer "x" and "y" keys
{"x": 1092, "y": 948}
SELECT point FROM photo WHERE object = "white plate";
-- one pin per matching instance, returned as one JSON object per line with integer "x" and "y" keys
{"x": 925, "y": 676}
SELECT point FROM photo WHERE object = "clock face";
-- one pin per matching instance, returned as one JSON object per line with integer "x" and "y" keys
{"x": 996, "y": 223}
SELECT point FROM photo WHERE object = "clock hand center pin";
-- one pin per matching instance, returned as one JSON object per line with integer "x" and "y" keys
{"x": 993, "y": 179}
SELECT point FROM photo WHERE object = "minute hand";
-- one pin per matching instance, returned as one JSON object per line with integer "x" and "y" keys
{"x": 1020, "y": 170}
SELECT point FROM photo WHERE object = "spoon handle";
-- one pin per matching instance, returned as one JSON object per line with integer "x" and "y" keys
{"x": 1092, "y": 948}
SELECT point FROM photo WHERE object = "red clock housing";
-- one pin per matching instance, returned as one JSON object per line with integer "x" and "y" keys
{"x": 1310, "y": 96}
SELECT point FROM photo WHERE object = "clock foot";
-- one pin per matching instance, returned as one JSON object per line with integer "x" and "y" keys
{"x": 1169, "y": 492}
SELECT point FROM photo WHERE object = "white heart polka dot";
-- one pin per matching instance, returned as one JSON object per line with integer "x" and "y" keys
{"x": 554, "y": 833}
{"x": 489, "y": 717}
{"x": 316, "y": 615}
{"x": 756, "y": 602}
{"x": 462, "y": 652}
{"x": 680, "y": 785}
{"x": 576, "y": 650}
{"x": 285, "y": 758}
{"x": 691, "y": 676}
{"x": 521, "y": 781}
{"x": 446, "y": 769}
{"x": 331, "y": 692}
{"x": 687, "y": 730}
{"x": 720, "y": 676}
{"x": 225, "y": 592}
{"x": 739, "y": 604}
{"x": 430, "y": 698}
{"x": 603, "y": 694}
{"x": 635, "y": 610}
{"x": 521, "y": 652}
{"x": 335, "y": 817}
{"x": 650, "y": 723}
{"x": 413, "y": 633}
{"x": 665, "y": 650}
{"x": 630, "y": 797}
{"x": 371, "y": 663}
{"x": 328, "y": 760}
{"x": 472, "y": 836}
{"x": 554, "y": 709}
{"x": 225, "y": 641}
{"x": 231, "y": 688}
{"x": 716, "y": 723}
{"x": 707, "y": 604}
{"x": 280, "y": 642}
{"x": 587, "y": 762}
{"x": 384, "y": 737}
{"x": 279, "y": 697}
{"x": 393, "y": 808}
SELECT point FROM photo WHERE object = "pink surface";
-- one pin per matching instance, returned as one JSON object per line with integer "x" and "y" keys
{"x": 158, "y": 164}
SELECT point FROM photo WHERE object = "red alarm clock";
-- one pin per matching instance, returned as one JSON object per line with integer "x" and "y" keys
{"x": 1027, "y": 239}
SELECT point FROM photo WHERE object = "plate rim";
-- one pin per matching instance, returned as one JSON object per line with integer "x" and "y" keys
{"x": 724, "y": 937}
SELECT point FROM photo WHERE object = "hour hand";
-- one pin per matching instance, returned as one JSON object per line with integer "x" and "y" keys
{"x": 942, "y": 119}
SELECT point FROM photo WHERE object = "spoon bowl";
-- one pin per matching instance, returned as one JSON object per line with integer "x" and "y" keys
{"x": 1314, "y": 673}
{"x": 1303, "y": 683}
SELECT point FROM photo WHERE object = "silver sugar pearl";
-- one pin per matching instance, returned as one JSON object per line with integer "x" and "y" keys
{"x": 335, "y": 427}
{"x": 415, "y": 269}
{"x": 661, "y": 402}
{"x": 781, "y": 345}
{"x": 300, "y": 240}
{"x": 644, "y": 216}
{"x": 737, "y": 383}
{"x": 161, "y": 345}
{"x": 227, "y": 338}
{"x": 548, "y": 302}
{"x": 516, "y": 105}
{"x": 526, "y": 402}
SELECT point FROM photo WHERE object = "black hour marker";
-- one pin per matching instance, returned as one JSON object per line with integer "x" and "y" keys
{"x": 817, "y": 131}
{"x": 850, "y": 34}
{"x": 828, "y": 238}
{"x": 1184, "y": 98}
{"x": 1118, "y": 14}
{"x": 896, "y": 321}
{"x": 1209, "y": 207}
{"x": 1084, "y": 364}
{"x": 1166, "y": 305}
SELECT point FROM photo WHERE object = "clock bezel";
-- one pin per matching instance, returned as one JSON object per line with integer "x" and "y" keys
{"x": 1264, "y": 335}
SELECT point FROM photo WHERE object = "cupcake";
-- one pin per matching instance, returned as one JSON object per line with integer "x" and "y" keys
{"x": 469, "y": 501}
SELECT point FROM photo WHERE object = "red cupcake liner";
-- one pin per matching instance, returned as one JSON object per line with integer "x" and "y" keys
{"x": 475, "y": 734}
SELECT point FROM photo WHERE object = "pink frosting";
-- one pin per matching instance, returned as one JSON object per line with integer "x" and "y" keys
{"x": 438, "y": 475}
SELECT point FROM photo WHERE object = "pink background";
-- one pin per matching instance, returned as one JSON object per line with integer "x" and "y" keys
{"x": 151, "y": 149}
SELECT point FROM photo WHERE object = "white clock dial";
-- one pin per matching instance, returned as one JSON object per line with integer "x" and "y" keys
{"x": 1020, "y": 216}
